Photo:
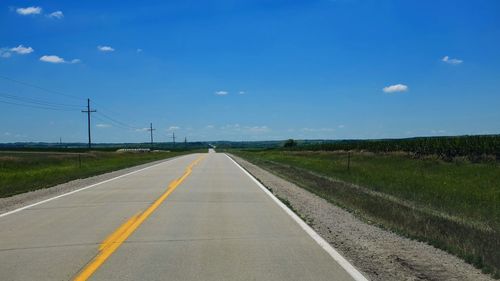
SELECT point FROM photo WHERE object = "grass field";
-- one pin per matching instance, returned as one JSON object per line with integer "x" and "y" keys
{"x": 26, "y": 171}
{"x": 452, "y": 205}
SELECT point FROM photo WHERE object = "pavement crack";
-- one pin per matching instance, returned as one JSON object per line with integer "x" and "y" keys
{"x": 49, "y": 246}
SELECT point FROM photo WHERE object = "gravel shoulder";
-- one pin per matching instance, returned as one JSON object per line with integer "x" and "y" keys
{"x": 379, "y": 254}
{"x": 20, "y": 200}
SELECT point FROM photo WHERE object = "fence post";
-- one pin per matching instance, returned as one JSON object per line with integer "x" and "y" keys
{"x": 79, "y": 160}
{"x": 349, "y": 161}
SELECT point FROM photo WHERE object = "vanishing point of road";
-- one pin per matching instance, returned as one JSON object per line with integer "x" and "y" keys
{"x": 195, "y": 217}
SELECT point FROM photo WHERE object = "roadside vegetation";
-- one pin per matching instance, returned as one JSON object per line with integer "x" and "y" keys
{"x": 452, "y": 203}
{"x": 26, "y": 171}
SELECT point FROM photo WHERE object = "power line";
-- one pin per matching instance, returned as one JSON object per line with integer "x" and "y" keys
{"x": 41, "y": 104}
{"x": 37, "y": 101}
{"x": 35, "y": 106}
{"x": 40, "y": 88}
{"x": 29, "y": 102}
{"x": 114, "y": 119}
{"x": 107, "y": 121}
{"x": 107, "y": 108}
{"x": 117, "y": 121}
{"x": 47, "y": 105}
{"x": 122, "y": 125}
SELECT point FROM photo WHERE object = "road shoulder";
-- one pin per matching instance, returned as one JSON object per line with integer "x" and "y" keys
{"x": 380, "y": 254}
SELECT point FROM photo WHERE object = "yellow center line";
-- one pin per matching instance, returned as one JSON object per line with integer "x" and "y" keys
{"x": 114, "y": 241}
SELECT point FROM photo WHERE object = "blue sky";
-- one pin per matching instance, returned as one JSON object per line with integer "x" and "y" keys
{"x": 249, "y": 70}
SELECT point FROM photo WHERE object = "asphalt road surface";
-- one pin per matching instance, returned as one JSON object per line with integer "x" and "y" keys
{"x": 197, "y": 217}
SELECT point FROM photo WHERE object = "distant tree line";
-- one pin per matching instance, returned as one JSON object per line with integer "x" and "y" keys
{"x": 445, "y": 147}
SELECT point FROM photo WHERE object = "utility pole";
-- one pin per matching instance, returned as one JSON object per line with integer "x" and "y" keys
{"x": 173, "y": 139}
{"x": 151, "y": 131}
{"x": 88, "y": 111}
{"x": 185, "y": 142}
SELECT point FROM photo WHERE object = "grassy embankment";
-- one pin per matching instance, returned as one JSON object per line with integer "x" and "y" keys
{"x": 26, "y": 171}
{"x": 452, "y": 205}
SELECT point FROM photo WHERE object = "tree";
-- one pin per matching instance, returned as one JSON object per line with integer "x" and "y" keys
{"x": 290, "y": 143}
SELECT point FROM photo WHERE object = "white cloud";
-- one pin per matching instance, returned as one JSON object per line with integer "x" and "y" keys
{"x": 4, "y": 53}
{"x": 57, "y": 59}
{"x": 241, "y": 93}
{"x": 236, "y": 131}
{"x": 231, "y": 127}
{"x": 173, "y": 128}
{"x": 395, "y": 88}
{"x": 29, "y": 11}
{"x": 14, "y": 135}
{"x": 56, "y": 15}
{"x": 21, "y": 50}
{"x": 341, "y": 126}
{"x": 139, "y": 50}
{"x": 105, "y": 48}
{"x": 318, "y": 130}
{"x": 449, "y": 60}
{"x": 221, "y": 93}
{"x": 52, "y": 59}
{"x": 103, "y": 125}
{"x": 142, "y": 129}
{"x": 438, "y": 132}
{"x": 257, "y": 129}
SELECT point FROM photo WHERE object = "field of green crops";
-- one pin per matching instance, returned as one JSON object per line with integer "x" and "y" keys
{"x": 455, "y": 205}
{"x": 475, "y": 148}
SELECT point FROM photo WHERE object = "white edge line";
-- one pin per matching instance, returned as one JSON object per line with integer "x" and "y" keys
{"x": 83, "y": 188}
{"x": 349, "y": 268}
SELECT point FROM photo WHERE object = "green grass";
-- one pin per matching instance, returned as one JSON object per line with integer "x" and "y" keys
{"x": 452, "y": 205}
{"x": 26, "y": 171}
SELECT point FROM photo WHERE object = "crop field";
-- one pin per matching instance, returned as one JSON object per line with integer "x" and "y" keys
{"x": 26, "y": 171}
{"x": 475, "y": 148}
{"x": 454, "y": 205}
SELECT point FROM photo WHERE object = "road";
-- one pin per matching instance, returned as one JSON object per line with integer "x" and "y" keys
{"x": 197, "y": 217}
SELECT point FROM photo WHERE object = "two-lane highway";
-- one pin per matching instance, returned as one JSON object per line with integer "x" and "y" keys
{"x": 197, "y": 217}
